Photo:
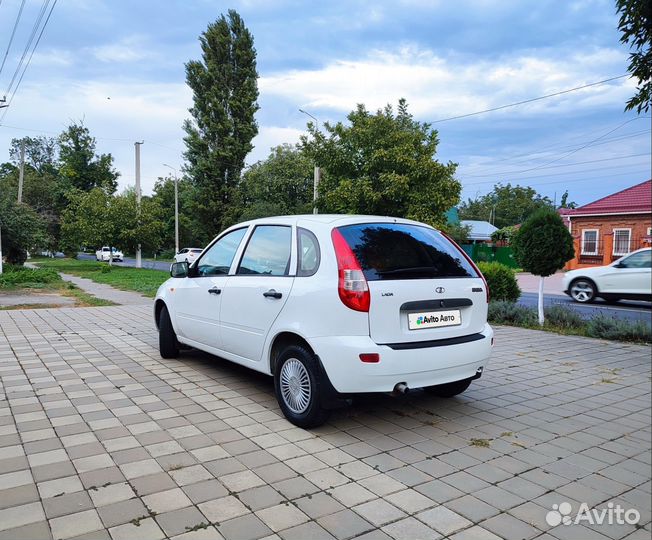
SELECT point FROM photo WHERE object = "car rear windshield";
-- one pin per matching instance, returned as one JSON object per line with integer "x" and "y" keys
{"x": 388, "y": 251}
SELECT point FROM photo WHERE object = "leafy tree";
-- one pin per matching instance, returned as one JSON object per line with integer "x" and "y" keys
{"x": 41, "y": 153}
{"x": 565, "y": 203}
{"x": 163, "y": 201}
{"x": 458, "y": 232}
{"x": 280, "y": 185}
{"x": 22, "y": 230}
{"x": 136, "y": 227}
{"x": 505, "y": 205}
{"x": 81, "y": 167}
{"x": 218, "y": 138}
{"x": 542, "y": 246}
{"x": 382, "y": 164}
{"x": 635, "y": 24}
{"x": 504, "y": 236}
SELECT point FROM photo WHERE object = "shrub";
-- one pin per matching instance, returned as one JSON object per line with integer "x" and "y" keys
{"x": 501, "y": 281}
{"x": 13, "y": 275}
{"x": 502, "y": 312}
{"x": 564, "y": 318}
{"x": 605, "y": 327}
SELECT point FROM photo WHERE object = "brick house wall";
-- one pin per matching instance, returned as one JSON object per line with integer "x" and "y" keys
{"x": 603, "y": 251}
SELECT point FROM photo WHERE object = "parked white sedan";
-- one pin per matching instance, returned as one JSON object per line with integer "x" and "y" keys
{"x": 188, "y": 255}
{"x": 627, "y": 278}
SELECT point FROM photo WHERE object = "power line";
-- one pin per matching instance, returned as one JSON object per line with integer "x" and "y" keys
{"x": 529, "y": 100}
{"x": 507, "y": 173}
{"x": 30, "y": 58}
{"x": 13, "y": 33}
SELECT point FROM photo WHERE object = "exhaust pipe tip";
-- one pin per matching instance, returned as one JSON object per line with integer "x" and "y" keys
{"x": 400, "y": 389}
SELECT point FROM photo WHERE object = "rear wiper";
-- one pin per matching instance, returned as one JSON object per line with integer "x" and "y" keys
{"x": 409, "y": 270}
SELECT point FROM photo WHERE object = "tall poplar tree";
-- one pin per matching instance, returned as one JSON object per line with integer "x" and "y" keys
{"x": 218, "y": 137}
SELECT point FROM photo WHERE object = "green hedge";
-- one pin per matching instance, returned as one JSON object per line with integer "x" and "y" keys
{"x": 567, "y": 321}
{"x": 18, "y": 275}
{"x": 501, "y": 281}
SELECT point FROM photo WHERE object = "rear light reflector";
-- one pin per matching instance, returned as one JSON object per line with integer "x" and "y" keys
{"x": 352, "y": 285}
{"x": 370, "y": 358}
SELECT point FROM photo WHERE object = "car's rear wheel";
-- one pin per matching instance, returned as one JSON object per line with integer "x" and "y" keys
{"x": 449, "y": 390}
{"x": 167, "y": 340}
{"x": 297, "y": 384}
{"x": 583, "y": 290}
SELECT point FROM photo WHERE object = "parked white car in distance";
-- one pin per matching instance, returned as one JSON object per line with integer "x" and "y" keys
{"x": 188, "y": 255}
{"x": 332, "y": 306}
{"x": 105, "y": 253}
{"x": 630, "y": 277}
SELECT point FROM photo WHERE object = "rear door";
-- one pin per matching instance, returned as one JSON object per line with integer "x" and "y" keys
{"x": 422, "y": 287}
{"x": 255, "y": 295}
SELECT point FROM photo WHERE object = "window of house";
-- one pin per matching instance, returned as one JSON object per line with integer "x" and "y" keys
{"x": 622, "y": 241}
{"x": 590, "y": 242}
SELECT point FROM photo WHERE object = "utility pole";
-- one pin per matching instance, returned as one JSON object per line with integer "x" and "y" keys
{"x": 139, "y": 261}
{"x": 317, "y": 173}
{"x": 21, "y": 171}
{"x": 0, "y": 249}
{"x": 176, "y": 209}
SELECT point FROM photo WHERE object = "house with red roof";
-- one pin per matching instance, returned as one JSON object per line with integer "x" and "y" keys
{"x": 606, "y": 229}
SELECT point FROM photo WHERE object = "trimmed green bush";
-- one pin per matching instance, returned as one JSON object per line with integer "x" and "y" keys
{"x": 14, "y": 276}
{"x": 605, "y": 327}
{"x": 503, "y": 312}
{"x": 564, "y": 318}
{"x": 501, "y": 280}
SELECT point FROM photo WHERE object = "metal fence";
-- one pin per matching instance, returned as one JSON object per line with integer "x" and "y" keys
{"x": 488, "y": 253}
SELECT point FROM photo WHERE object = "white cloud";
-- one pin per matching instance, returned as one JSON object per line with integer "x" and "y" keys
{"x": 129, "y": 49}
{"x": 436, "y": 86}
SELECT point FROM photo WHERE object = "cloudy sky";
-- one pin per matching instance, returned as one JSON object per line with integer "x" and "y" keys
{"x": 119, "y": 66}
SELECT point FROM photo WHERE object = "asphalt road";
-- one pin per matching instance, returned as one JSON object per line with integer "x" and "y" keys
{"x": 153, "y": 265}
{"x": 631, "y": 310}
{"x": 641, "y": 311}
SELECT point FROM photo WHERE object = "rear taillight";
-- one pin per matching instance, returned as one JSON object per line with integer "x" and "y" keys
{"x": 475, "y": 267}
{"x": 352, "y": 285}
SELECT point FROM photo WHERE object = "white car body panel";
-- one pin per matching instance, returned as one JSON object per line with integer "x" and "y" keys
{"x": 615, "y": 281}
{"x": 240, "y": 324}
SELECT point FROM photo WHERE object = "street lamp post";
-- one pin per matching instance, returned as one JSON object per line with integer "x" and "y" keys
{"x": 176, "y": 209}
{"x": 317, "y": 175}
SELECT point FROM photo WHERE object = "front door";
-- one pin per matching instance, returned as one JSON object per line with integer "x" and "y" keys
{"x": 631, "y": 275}
{"x": 198, "y": 298}
{"x": 255, "y": 295}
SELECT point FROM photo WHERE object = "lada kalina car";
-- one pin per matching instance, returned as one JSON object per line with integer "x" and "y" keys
{"x": 332, "y": 306}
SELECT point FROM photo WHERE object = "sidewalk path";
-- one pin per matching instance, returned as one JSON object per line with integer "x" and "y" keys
{"x": 106, "y": 292}
{"x": 530, "y": 283}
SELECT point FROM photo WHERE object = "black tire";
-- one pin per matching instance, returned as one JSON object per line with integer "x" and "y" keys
{"x": 311, "y": 413}
{"x": 168, "y": 345}
{"x": 583, "y": 290}
{"x": 449, "y": 390}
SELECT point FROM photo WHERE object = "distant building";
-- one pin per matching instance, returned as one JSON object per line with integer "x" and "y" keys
{"x": 480, "y": 231}
{"x": 607, "y": 229}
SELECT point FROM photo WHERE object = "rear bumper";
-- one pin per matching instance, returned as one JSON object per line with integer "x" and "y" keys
{"x": 414, "y": 367}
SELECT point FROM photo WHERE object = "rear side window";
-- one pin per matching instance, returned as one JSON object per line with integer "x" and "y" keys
{"x": 388, "y": 251}
{"x": 268, "y": 251}
{"x": 309, "y": 254}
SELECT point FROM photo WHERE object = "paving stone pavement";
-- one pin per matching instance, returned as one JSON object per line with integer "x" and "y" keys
{"x": 101, "y": 438}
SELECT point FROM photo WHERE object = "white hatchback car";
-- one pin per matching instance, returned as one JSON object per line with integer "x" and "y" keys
{"x": 188, "y": 255}
{"x": 627, "y": 278}
{"x": 332, "y": 306}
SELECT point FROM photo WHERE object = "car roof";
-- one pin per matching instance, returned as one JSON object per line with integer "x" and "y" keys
{"x": 339, "y": 219}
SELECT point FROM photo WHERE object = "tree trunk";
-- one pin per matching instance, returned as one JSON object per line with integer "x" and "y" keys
{"x": 540, "y": 306}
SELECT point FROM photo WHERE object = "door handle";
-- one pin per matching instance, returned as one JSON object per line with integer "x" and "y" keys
{"x": 214, "y": 290}
{"x": 272, "y": 294}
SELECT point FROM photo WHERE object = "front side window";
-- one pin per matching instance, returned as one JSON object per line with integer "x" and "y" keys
{"x": 642, "y": 259}
{"x": 268, "y": 252}
{"x": 590, "y": 242}
{"x": 621, "y": 241}
{"x": 217, "y": 260}
{"x": 388, "y": 251}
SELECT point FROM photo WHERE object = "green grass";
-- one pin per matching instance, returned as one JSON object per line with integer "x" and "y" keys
{"x": 142, "y": 280}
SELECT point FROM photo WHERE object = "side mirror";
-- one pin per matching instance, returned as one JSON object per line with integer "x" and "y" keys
{"x": 179, "y": 269}
{"x": 620, "y": 265}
